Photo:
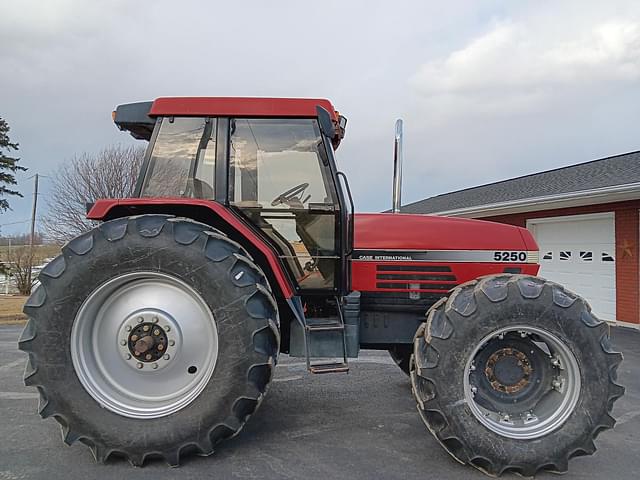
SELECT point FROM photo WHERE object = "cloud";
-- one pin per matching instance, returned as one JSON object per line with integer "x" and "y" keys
{"x": 521, "y": 66}
{"x": 549, "y": 84}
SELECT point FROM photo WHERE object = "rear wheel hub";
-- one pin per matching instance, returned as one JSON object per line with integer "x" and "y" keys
{"x": 150, "y": 336}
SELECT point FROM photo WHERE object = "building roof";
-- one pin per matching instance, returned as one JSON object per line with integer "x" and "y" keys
{"x": 597, "y": 181}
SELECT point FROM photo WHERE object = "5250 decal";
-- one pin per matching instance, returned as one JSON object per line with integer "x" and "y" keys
{"x": 510, "y": 256}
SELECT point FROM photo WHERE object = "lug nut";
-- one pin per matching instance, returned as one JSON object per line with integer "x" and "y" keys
{"x": 523, "y": 334}
{"x": 123, "y": 342}
{"x": 139, "y": 365}
{"x": 156, "y": 332}
{"x": 167, "y": 328}
{"x": 474, "y": 390}
{"x": 154, "y": 366}
{"x": 154, "y": 319}
{"x": 146, "y": 328}
{"x": 128, "y": 328}
{"x": 506, "y": 418}
{"x": 140, "y": 319}
{"x": 166, "y": 357}
{"x": 555, "y": 362}
{"x": 173, "y": 342}
{"x": 128, "y": 356}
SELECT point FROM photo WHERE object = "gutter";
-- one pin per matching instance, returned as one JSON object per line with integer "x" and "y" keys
{"x": 617, "y": 193}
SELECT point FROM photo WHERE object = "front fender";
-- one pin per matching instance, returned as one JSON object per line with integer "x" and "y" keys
{"x": 206, "y": 211}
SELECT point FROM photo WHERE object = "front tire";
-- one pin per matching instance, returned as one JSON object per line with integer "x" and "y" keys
{"x": 513, "y": 372}
{"x": 151, "y": 336}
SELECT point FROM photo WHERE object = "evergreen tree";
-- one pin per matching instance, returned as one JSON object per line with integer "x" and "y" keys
{"x": 8, "y": 166}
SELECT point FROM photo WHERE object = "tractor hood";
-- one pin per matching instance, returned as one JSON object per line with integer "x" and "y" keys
{"x": 396, "y": 232}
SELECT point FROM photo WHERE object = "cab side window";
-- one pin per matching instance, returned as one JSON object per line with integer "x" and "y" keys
{"x": 280, "y": 180}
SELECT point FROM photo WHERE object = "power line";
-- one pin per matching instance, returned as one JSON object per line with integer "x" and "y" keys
{"x": 14, "y": 223}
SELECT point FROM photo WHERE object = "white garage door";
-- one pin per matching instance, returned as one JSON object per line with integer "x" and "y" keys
{"x": 579, "y": 252}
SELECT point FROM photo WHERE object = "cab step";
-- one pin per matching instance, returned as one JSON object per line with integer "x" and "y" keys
{"x": 340, "y": 367}
{"x": 325, "y": 327}
{"x": 326, "y": 331}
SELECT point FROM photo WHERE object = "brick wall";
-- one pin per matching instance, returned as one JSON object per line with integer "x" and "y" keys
{"x": 627, "y": 248}
{"x": 627, "y": 290}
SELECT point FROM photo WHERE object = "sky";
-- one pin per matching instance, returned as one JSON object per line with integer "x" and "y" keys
{"x": 488, "y": 90}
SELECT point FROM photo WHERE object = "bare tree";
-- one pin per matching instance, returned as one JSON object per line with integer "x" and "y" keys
{"x": 19, "y": 266}
{"x": 111, "y": 173}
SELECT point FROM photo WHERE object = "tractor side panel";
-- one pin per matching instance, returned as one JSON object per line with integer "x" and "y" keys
{"x": 418, "y": 277}
{"x": 403, "y": 264}
{"x": 111, "y": 208}
{"x": 395, "y": 296}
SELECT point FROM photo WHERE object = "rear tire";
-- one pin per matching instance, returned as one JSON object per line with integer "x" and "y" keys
{"x": 219, "y": 302}
{"x": 513, "y": 372}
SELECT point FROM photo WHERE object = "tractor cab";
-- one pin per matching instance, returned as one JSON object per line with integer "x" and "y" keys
{"x": 270, "y": 161}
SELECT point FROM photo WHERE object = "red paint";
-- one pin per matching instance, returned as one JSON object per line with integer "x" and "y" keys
{"x": 240, "y": 107}
{"x": 102, "y": 208}
{"x": 428, "y": 232}
{"x": 381, "y": 231}
{"x": 627, "y": 267}
{"x": 386, "y": 231}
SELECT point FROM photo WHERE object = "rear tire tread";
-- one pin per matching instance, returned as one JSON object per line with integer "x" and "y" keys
{"x": 257, "y": 379}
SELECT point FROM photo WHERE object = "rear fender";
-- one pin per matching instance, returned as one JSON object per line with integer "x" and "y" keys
{"x": 208, "y": 212}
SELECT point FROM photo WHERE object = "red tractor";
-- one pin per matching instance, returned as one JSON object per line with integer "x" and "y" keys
{"x": 157, "y": 332}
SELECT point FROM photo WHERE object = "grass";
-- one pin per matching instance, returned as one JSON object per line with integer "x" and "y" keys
{"x": 11, "y": 309}
{"x": 40, "y": 251}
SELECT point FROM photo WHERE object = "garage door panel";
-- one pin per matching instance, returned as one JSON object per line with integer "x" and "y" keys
{"x": 597, "y": 231}
{"x": 578, "y": 252}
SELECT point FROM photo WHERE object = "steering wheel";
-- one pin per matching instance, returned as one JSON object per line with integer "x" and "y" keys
{"x": 291, "y": 194}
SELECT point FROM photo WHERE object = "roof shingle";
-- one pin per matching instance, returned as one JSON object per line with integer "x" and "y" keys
{"x": 606, "y": 172}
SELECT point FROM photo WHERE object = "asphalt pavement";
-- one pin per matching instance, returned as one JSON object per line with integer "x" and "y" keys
{"x": 363, "y": 425}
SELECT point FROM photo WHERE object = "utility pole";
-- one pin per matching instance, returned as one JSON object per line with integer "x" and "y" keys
{"x": 33, "y": 228}
{"x": 7, "y": 273}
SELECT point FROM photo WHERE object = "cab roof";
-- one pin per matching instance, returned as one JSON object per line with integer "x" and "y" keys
{"x": 240, "y": 106}
{"x": 139, "y": 118}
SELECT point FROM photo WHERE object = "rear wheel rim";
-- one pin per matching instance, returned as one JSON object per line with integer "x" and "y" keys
{"x": 522, "y": 382}
{"x": 144, "y": 344}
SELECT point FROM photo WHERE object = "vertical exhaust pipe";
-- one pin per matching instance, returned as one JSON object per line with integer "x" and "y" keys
{"x": 397, "y": 168}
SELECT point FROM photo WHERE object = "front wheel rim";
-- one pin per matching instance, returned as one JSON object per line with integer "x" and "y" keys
{"x": 522, "y": 382}
{"x": 144, "y": 344}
